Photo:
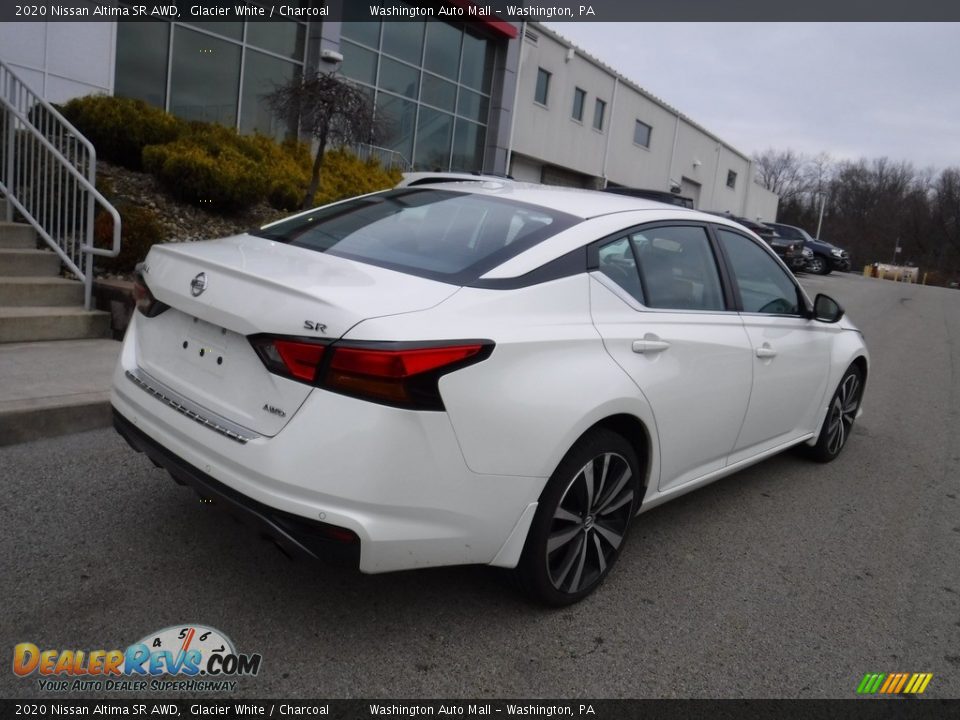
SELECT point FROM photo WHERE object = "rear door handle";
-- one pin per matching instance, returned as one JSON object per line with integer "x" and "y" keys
{"x": 766, "y": 352}
{"x": 650, "y": 347}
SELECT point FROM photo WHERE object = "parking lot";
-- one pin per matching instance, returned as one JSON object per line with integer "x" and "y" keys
{"x": 789, "y": 579}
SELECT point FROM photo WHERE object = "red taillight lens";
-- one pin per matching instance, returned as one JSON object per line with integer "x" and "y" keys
{"x": 301, "y": 359}
{"x": 391, "y": 373}
{"x": 297, "y": 359}
{"x": 399, "y": 363}
{"x": 402, "y": 377}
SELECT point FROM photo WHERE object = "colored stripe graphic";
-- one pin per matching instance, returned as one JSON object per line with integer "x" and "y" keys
{"x": 891, "y": 681}
{"x": 894, "y": 683}
{"x": 870, "y": 683}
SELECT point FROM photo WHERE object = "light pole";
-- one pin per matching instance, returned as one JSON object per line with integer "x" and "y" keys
{"x": 823, "y": 202}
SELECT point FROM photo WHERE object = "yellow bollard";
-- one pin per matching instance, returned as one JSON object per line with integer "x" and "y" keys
{"x": 866, "y": 271}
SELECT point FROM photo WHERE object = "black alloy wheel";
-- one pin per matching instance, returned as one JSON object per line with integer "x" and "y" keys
{"x": 582, "y": 520}
{"x": 841, "y": 414}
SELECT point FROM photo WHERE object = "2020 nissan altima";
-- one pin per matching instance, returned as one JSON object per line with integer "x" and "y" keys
{"x": 478, "y": 372}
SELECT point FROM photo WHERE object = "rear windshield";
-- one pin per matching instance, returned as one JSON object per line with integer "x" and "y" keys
{"x": 444, "y": 235}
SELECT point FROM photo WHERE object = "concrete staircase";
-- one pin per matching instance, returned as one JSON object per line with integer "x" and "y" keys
{"x": 35, "y": 302}
{"x": 55, "y": 363}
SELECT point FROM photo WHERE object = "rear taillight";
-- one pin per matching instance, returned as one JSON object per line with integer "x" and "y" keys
{"x": 145, "y": 301}
{"x": 295, "y": 358}
{"x": 400, "y": 374}
{"x": 300, "y": 359}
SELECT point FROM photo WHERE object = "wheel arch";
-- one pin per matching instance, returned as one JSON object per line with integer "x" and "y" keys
{"x": 862, "y": 363}
{"x": 631, "y": 428}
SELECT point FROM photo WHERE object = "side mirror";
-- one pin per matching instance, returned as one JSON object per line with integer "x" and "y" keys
{"x": 826, "y": 309}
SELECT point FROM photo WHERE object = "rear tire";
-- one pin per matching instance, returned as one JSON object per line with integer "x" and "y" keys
{"x": 841, "y": 414}
{"x": 582, "y": 520}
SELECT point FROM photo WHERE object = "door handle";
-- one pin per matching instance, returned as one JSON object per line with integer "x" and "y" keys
{"x": 766, "y": 352}
{"x": 650, "y": 347}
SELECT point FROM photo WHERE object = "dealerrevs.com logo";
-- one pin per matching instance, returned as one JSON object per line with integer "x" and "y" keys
{"x": 197, "y": 657}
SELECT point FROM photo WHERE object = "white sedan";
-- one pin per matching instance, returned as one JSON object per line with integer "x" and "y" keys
{"x": 478, "y": 372}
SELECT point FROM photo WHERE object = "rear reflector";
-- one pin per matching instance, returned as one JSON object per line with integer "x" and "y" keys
{"x": 400, "y": 374}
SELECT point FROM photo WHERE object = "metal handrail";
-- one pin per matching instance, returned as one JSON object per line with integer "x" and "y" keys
{"x": 48, "y": 174}
{"x": 385, "y": 156}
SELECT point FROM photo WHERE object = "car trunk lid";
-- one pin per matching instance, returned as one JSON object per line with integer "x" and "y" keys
{"x": 222, "y": 291}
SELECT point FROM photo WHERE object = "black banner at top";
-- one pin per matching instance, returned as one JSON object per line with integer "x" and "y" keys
{"x": 506, "y": 11}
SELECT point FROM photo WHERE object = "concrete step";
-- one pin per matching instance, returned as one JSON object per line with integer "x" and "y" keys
{"x": 55, "y": 388}
{"x": 16, "y": 236}
{"x": 33, "y": 263}
{"x": 31, "y": 324}
{"x": 42, "y": 291}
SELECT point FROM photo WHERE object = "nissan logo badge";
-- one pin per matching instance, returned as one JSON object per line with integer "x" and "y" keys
{"x": 198, "y": 284}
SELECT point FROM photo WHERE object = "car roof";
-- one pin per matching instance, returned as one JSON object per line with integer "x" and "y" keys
{"x": 572, "y": 201}
{"x": 411, "y": 179}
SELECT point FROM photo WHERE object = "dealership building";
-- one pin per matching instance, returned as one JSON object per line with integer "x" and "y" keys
{"x": 488, "y": 95}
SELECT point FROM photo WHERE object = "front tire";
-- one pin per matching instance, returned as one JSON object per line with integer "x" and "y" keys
{"x": 841, "y": 414}
{"x": 816, "y": 265}
{"x": 582, "y": 520}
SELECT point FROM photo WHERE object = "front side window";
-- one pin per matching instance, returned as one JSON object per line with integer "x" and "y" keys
{"x": 448, "y": 236}
{"x": 677, "y": 268}
{"x": 579, "y": 98}
{"x": 764, "y": 286}
{"x": 543, "y": 86}
{"x": 641, "y": 134}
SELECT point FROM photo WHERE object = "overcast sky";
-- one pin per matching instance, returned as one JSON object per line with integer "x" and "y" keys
{"x": 851, "y": 90}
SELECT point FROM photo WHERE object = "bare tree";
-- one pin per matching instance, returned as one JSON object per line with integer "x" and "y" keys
{"x": 782, "y": 172}
{"x": 331, "y": 110}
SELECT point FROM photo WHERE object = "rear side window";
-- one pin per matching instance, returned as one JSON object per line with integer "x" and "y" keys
{"x": 616, "y": 261}
{"x": 449, "y": 236}
{"x": 677, "y": 268}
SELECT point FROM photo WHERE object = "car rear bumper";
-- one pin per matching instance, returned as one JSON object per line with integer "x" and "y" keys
{"x": 396, "y": 479}
{"x": 294, "y": 534}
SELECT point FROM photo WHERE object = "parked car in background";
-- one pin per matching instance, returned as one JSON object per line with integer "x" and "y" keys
{"x": 826, "y": 256}
{"x": 659, "y": 195}
{"x": 478, "y": 372}
{"x": 790, "y": 252}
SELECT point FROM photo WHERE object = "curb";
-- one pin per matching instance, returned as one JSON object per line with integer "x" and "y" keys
{"x": 52, "y": 417}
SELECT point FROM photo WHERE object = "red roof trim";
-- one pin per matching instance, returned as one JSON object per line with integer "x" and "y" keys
{"x": 500, "y": 27}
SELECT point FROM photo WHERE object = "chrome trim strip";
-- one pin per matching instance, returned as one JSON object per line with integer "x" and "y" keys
{"x": 175, "y": 400}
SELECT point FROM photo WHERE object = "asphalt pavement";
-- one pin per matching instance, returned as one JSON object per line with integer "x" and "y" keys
{"x": 789, "y": 579}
